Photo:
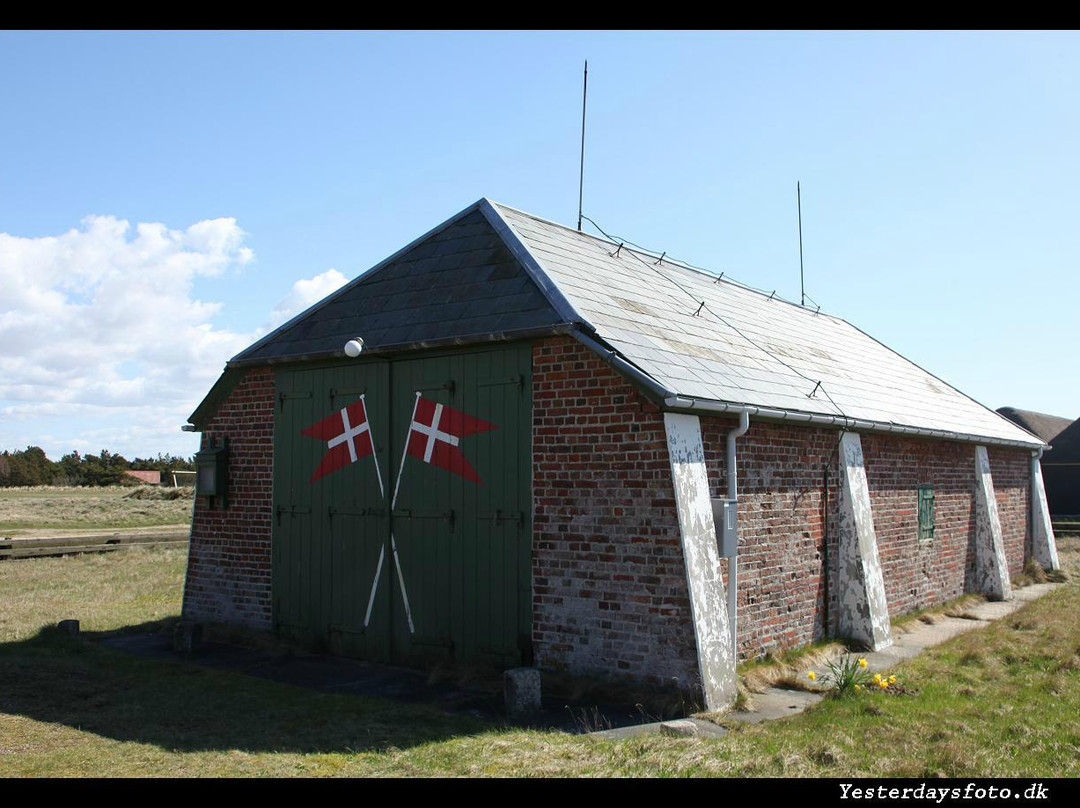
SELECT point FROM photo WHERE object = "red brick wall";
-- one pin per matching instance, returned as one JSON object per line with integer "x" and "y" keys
{"x": 228, "y": 578}
{"x": 1011, "y": 471}
{"x": 782, "y": 520}
{"x": 609, "y": 584}
{"x": 919, "y": 574}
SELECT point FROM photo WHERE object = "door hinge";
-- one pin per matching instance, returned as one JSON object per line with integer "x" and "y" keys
{"x": 500, "y": 516}
{"x": 410, "y": 513}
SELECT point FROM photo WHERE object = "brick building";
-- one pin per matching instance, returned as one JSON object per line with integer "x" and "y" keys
{"x": 518, "y": 456}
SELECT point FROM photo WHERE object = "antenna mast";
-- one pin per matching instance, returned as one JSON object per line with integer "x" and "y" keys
{"x": 581, "y": 175}
{"x": 802, "y": 281}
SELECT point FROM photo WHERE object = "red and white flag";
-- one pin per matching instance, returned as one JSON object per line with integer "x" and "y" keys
{"x": 435, "y": 433}
{"x": 348, "y": 439}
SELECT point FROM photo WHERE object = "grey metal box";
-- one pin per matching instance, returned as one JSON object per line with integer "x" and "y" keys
{"x": 724, "y": 516}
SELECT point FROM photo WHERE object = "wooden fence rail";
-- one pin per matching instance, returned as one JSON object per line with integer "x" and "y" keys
{"x": 99, "y": 543}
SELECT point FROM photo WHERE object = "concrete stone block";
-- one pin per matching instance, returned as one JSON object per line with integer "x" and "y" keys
{"x": 187, "y": 638}
{"x": 521, "y": 691}
{"x": 69, "y": 627}
{"x": 681, "y": 728}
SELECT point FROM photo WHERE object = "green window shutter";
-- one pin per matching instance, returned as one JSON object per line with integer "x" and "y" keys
{"x": 926, "y": 512}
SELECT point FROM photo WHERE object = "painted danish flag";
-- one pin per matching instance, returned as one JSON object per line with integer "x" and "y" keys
{"x": 435, "y": 433}
{"x": 347, "y": 436}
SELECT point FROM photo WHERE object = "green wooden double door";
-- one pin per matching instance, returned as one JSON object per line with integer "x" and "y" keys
{"x": 442, "y": 570}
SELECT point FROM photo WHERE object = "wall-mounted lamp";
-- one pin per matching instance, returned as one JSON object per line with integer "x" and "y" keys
{"x": 353, "y": 347}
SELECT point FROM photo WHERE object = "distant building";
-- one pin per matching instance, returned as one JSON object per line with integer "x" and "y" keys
{"x": 1061, "y": 462}
{"x": 147, "y": 477}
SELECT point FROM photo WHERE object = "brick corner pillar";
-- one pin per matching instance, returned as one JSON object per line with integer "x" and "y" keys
{"x": 991, "y": 568}
{"x": 863, "y": 608}
{"x": 708, "y": 601}
{"x": 1043, "y": 543}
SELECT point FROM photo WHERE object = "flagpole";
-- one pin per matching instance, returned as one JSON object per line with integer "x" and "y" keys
{"x": 374, "y": 454}
{"x": 374, "y": 585}
{"x": 393, "y": 541}
{"x": 401, "y": 580}
{"x": 405, "y": 450}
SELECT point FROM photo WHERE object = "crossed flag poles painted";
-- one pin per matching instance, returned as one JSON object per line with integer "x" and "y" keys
{"x": 435, "y": 431}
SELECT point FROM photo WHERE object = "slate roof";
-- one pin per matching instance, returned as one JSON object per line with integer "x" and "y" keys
{"x": 457, "y": 282}
{"x": 1045, "y": 426}
{"x": 495, "y": 272}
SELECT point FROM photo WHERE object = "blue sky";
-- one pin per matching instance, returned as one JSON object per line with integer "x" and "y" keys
{"x": 257, "y": 171}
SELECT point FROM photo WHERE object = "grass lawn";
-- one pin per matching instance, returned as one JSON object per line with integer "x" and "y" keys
{"x": 1003, "y": 701}
{"x": 25, "y": 511}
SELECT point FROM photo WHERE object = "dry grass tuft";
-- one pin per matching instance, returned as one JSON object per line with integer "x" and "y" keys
{"x": 159, "y": 493}
{"x": 826, "y": 756}
{"x": 789, "y": 670}
{"x": 744, "y": 699}
{"x": 963, "y": 615}
{"x": 934, "y": 614}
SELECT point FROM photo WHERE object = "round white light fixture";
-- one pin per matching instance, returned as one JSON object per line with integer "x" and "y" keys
{"x": 353, "y": 347}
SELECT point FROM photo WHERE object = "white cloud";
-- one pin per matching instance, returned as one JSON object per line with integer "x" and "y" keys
{"x": 304, "y": 293}
{"x": 102, "y": 344}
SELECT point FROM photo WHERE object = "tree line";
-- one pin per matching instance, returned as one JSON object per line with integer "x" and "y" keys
{"x": 32, "y": 467}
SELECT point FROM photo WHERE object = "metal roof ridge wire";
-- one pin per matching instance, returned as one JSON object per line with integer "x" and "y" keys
{"x": 615, "y": 240}
{"x": 818, "y": 383}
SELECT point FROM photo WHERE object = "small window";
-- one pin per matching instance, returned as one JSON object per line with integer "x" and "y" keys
{"x": 926, "y": 512}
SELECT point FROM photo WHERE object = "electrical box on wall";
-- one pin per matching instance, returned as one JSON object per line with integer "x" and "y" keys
{"x": 725, "y": 512}
{"x": 212, "y": 473}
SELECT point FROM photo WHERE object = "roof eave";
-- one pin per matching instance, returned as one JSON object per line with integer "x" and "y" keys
{"x": 556, "y": 329}
{"x": 691, "y": 404}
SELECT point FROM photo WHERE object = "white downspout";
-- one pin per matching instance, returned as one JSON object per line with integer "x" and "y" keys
{"x": 733, "y": 495}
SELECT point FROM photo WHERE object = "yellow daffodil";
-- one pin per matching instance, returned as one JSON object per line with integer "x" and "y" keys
{"x": 892, "y": 680}
{"x": 858, "y": 687}
{"x": 883, "y": 684}
{"x": 862, "y": 663}
{"x": 812, "y": 676}
{"x": 877, "y": 678}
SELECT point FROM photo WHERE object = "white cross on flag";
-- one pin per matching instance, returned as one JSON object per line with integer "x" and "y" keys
{"x": 347, "y": 436}
{"x": 435, "y": 433}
